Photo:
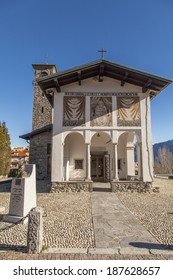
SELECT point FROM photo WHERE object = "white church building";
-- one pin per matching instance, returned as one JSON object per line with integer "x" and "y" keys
{"x": 91, "y": 124}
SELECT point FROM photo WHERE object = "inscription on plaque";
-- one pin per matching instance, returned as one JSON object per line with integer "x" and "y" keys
{"x": 101, "y": 93}
{"x": 17, "y": 193}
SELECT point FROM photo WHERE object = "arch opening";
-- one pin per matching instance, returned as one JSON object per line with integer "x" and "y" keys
{"x": 74, "y": 157}
{"x": 101, "y": 151}
{"x": 129, "y": 156}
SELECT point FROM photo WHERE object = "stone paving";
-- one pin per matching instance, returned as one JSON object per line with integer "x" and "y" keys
{"x": 69, "y": 221}
{"x": 115, "y": 227}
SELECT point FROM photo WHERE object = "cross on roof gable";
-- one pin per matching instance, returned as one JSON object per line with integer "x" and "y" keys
{"x": 109, "y": 69}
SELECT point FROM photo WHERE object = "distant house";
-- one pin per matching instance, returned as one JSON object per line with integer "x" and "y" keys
{"x": 19, "y": 156}
{"x": 85, "y": 120}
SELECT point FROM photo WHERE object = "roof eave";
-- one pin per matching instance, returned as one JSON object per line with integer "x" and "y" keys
{"x": 29, "y": 135}
{"x": 113, "y": 70}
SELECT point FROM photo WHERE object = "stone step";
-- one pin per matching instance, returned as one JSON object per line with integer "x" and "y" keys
{"x": 102, "y": 187}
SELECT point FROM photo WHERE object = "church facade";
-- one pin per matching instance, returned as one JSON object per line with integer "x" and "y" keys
{"x": 91, "y": 124}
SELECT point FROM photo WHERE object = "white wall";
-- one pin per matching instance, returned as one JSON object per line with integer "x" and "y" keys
{"x": 107, "y": 86}
{"x": 146, "y": 139}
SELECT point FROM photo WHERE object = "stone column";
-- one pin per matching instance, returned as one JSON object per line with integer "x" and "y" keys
{"x": 107, "y": 168}
{"x": 115, "y": 156}
{"x": 67, "y": 171}
{"x": 62, "y": 165}
{"x": 130, "y": 161}
{"x": 88, "y": 162}
{"x": 35, "y": 230}
{"x": 139, "y": 157}
{"x": 146, "y": 141}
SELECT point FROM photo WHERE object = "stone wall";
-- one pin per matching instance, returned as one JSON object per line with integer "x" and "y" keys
{"x": 40, "y": 154}
{"x": 71, "y": 187}
{"x": 42, "y": 110}
{"x": 134, "y": 186}
{"x": 125, "y": 186}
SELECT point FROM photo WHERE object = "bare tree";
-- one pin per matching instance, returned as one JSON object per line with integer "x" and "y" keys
{"x": 164, "y": 161}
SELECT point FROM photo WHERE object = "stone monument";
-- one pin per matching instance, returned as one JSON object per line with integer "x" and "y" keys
{"x": 23, "y": 195}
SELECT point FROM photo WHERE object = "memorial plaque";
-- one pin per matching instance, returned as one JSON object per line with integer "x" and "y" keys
{"x": 16, "y": 201}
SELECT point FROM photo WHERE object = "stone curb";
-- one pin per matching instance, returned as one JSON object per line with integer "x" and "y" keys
{"x": 109, "y": 251}
{"x": 134, "y": 251}
{"x": 66, "y": 250}
{"x": 103, "y": 251}
{"x": 161, "y": 252}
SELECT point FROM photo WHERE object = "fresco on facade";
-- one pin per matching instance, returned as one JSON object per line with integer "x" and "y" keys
{"x": 101, "y": 111}
{"x": 128, "y": 111}
{"x": 74, "y": 111}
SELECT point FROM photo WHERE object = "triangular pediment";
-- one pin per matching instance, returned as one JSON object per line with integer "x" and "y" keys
{"x": 104, "y": 68}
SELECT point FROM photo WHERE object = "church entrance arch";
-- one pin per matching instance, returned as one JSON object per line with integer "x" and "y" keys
{"x": 97, "y": 168}
{"x": 101, "y": 149}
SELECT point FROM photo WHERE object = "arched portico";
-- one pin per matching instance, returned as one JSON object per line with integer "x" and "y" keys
{"x": 129, "y": 156}
{"x": 74, "y": 157}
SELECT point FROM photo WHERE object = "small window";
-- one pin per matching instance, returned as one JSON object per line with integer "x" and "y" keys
{"x": 42, "y": 110}
{"x": 78, "y": 163}
{"x": 43, "y": 74}
{"x": 119, "y": 164}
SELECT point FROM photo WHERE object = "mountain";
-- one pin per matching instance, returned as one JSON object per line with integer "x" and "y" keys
{"x": 167, "y": 144}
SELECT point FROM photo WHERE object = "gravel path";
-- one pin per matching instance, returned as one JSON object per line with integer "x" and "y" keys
{"x": 155, "y": 210}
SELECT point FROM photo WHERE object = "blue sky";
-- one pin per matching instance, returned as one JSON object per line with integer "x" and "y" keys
{"x": 138, "y": 34}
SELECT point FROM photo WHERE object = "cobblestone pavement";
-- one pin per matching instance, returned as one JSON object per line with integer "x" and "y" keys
{"x": 67, "y": 222}
{"x": 70, "y": 216}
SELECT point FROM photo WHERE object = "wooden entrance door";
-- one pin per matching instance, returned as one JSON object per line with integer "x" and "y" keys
{"x": 97, "y": 168}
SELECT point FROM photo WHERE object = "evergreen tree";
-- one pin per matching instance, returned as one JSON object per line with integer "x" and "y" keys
{"x": 5, "y": 150}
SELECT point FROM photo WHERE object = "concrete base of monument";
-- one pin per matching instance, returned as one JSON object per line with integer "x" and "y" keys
{"x": 14, "y": 219}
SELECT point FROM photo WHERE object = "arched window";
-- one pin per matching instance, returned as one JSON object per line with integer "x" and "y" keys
{"x": 43, "y": 74}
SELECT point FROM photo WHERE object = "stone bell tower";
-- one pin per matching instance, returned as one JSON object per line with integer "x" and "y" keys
{"x": 41, "y": 140}
{"x": 42, "y": 110}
